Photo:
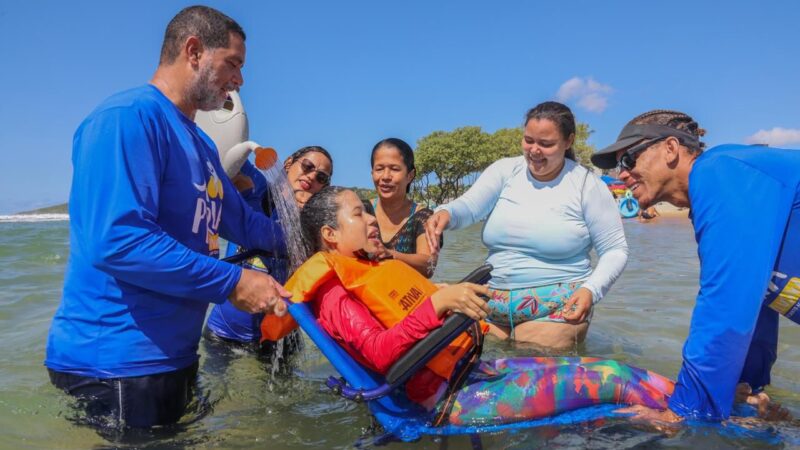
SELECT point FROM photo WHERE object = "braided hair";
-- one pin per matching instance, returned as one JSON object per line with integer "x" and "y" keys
{"x": 673, "y": 119}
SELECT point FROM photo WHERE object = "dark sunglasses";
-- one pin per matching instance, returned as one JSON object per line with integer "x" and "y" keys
{"x": 628, "y": 159}
{"x": 307, "y": 167}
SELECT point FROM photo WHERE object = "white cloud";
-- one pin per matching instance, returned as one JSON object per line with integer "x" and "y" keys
{"x": 776, "y": 137}
{"x": 593, "y": 102}
{"x": 569, "y": 89}
{"x": 588, "y": 93}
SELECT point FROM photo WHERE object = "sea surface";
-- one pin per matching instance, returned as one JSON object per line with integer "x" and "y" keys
{"x": 643, "y": 322}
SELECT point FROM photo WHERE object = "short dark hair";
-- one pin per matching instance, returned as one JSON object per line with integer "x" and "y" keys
{"x": 406, "y": 152}
{"x": 560, "y": 115}
{"x": 211, "y": 26}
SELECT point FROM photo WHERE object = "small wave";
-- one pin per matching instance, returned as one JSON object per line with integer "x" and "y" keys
{"x": 34, "y": 218}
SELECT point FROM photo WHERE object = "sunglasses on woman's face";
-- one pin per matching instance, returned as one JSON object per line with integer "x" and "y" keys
{"x": 307, "y": 167}
{"x": 628, "y": 159}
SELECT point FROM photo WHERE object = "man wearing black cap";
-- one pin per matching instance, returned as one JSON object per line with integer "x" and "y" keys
{"x": 749, "y": 258}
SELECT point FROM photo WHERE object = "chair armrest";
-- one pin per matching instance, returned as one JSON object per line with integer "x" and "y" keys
{"x": 424, "y": 350}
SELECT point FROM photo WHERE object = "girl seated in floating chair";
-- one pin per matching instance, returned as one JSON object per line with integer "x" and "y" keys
{"x": 378, "y": 311}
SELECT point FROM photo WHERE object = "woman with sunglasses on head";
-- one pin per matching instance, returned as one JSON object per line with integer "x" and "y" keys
{"x": 400, "y": 220}
{"x": 544, "y": 212}
{"x": 745, "y": 209}
{"x": 308, "y": 170}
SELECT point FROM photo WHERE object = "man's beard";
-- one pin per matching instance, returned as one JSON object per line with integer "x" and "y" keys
{"x": 204, "y": 91}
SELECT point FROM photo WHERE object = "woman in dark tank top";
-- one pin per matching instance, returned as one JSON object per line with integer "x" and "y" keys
{"x": 400, "y": 220}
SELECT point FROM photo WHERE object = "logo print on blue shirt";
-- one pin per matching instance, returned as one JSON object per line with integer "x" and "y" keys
{"x": 208, "y": 211}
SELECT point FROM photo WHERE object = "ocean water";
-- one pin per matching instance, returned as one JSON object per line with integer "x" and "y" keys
{"x": 643, "y": 322}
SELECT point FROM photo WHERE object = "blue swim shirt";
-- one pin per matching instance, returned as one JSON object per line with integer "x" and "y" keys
{"x": 741, "y": 201}
{"x": 148, "y": 203}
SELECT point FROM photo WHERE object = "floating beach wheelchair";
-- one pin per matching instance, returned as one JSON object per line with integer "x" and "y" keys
{"x": 400, "y": 418}
{"x": 403, "y": 420}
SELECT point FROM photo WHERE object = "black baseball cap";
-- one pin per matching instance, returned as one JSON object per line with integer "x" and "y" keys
{"x": 606, "y": 158}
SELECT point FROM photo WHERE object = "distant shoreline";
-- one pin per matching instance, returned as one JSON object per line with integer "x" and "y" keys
{"x": 17, "y": 218}
{"x": 61, "y": 212}
{"x": 55, "y": 209}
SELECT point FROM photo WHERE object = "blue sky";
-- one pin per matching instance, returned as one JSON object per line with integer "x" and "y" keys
{"x": 347, "y": 74}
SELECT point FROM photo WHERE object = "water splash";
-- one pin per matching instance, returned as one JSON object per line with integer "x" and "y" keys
{"x": 283, "y": 203}
{"x": 283, "y": 207}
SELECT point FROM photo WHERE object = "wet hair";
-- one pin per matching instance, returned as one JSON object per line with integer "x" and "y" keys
{"x": 320, "y": 210}
{"x": 211, "y": 26}
{"x": 673, "y": 119}
{"x": 368, "y": 206}
{"x": 306, "y": 150}
{"x": 406, "y": 152}
{"x": 560, "y": 115}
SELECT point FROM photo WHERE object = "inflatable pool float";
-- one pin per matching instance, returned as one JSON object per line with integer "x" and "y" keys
{"x": 628, "y": 206}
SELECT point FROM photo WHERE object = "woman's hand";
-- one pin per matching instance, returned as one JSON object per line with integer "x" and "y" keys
{"x": 663, "y": 420}
{"x": 641, "y": 412}
{"x": 381, "y": 253}
{"x": 434, "y": 227}
{"x": 577, "y": 308}
{"x": 463, "y": 298}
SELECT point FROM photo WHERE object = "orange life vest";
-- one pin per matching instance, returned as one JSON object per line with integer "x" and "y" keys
{"x": 390, "y": 289}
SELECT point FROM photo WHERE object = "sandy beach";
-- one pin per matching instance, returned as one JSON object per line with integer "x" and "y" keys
{"x": 668, "y": 210}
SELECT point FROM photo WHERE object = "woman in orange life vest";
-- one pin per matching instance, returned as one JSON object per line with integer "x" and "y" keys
{"x": 336, "y": 226}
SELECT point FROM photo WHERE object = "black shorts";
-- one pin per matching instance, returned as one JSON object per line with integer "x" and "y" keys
{"x": 137, "y": 402}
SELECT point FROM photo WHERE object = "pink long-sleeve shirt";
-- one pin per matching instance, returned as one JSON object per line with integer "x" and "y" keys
{"x": 373, "y": 345}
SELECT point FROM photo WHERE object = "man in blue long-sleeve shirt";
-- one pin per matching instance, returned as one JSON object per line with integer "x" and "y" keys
{"x": 745, "y": 208}
{"x": 148, "y": 203}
